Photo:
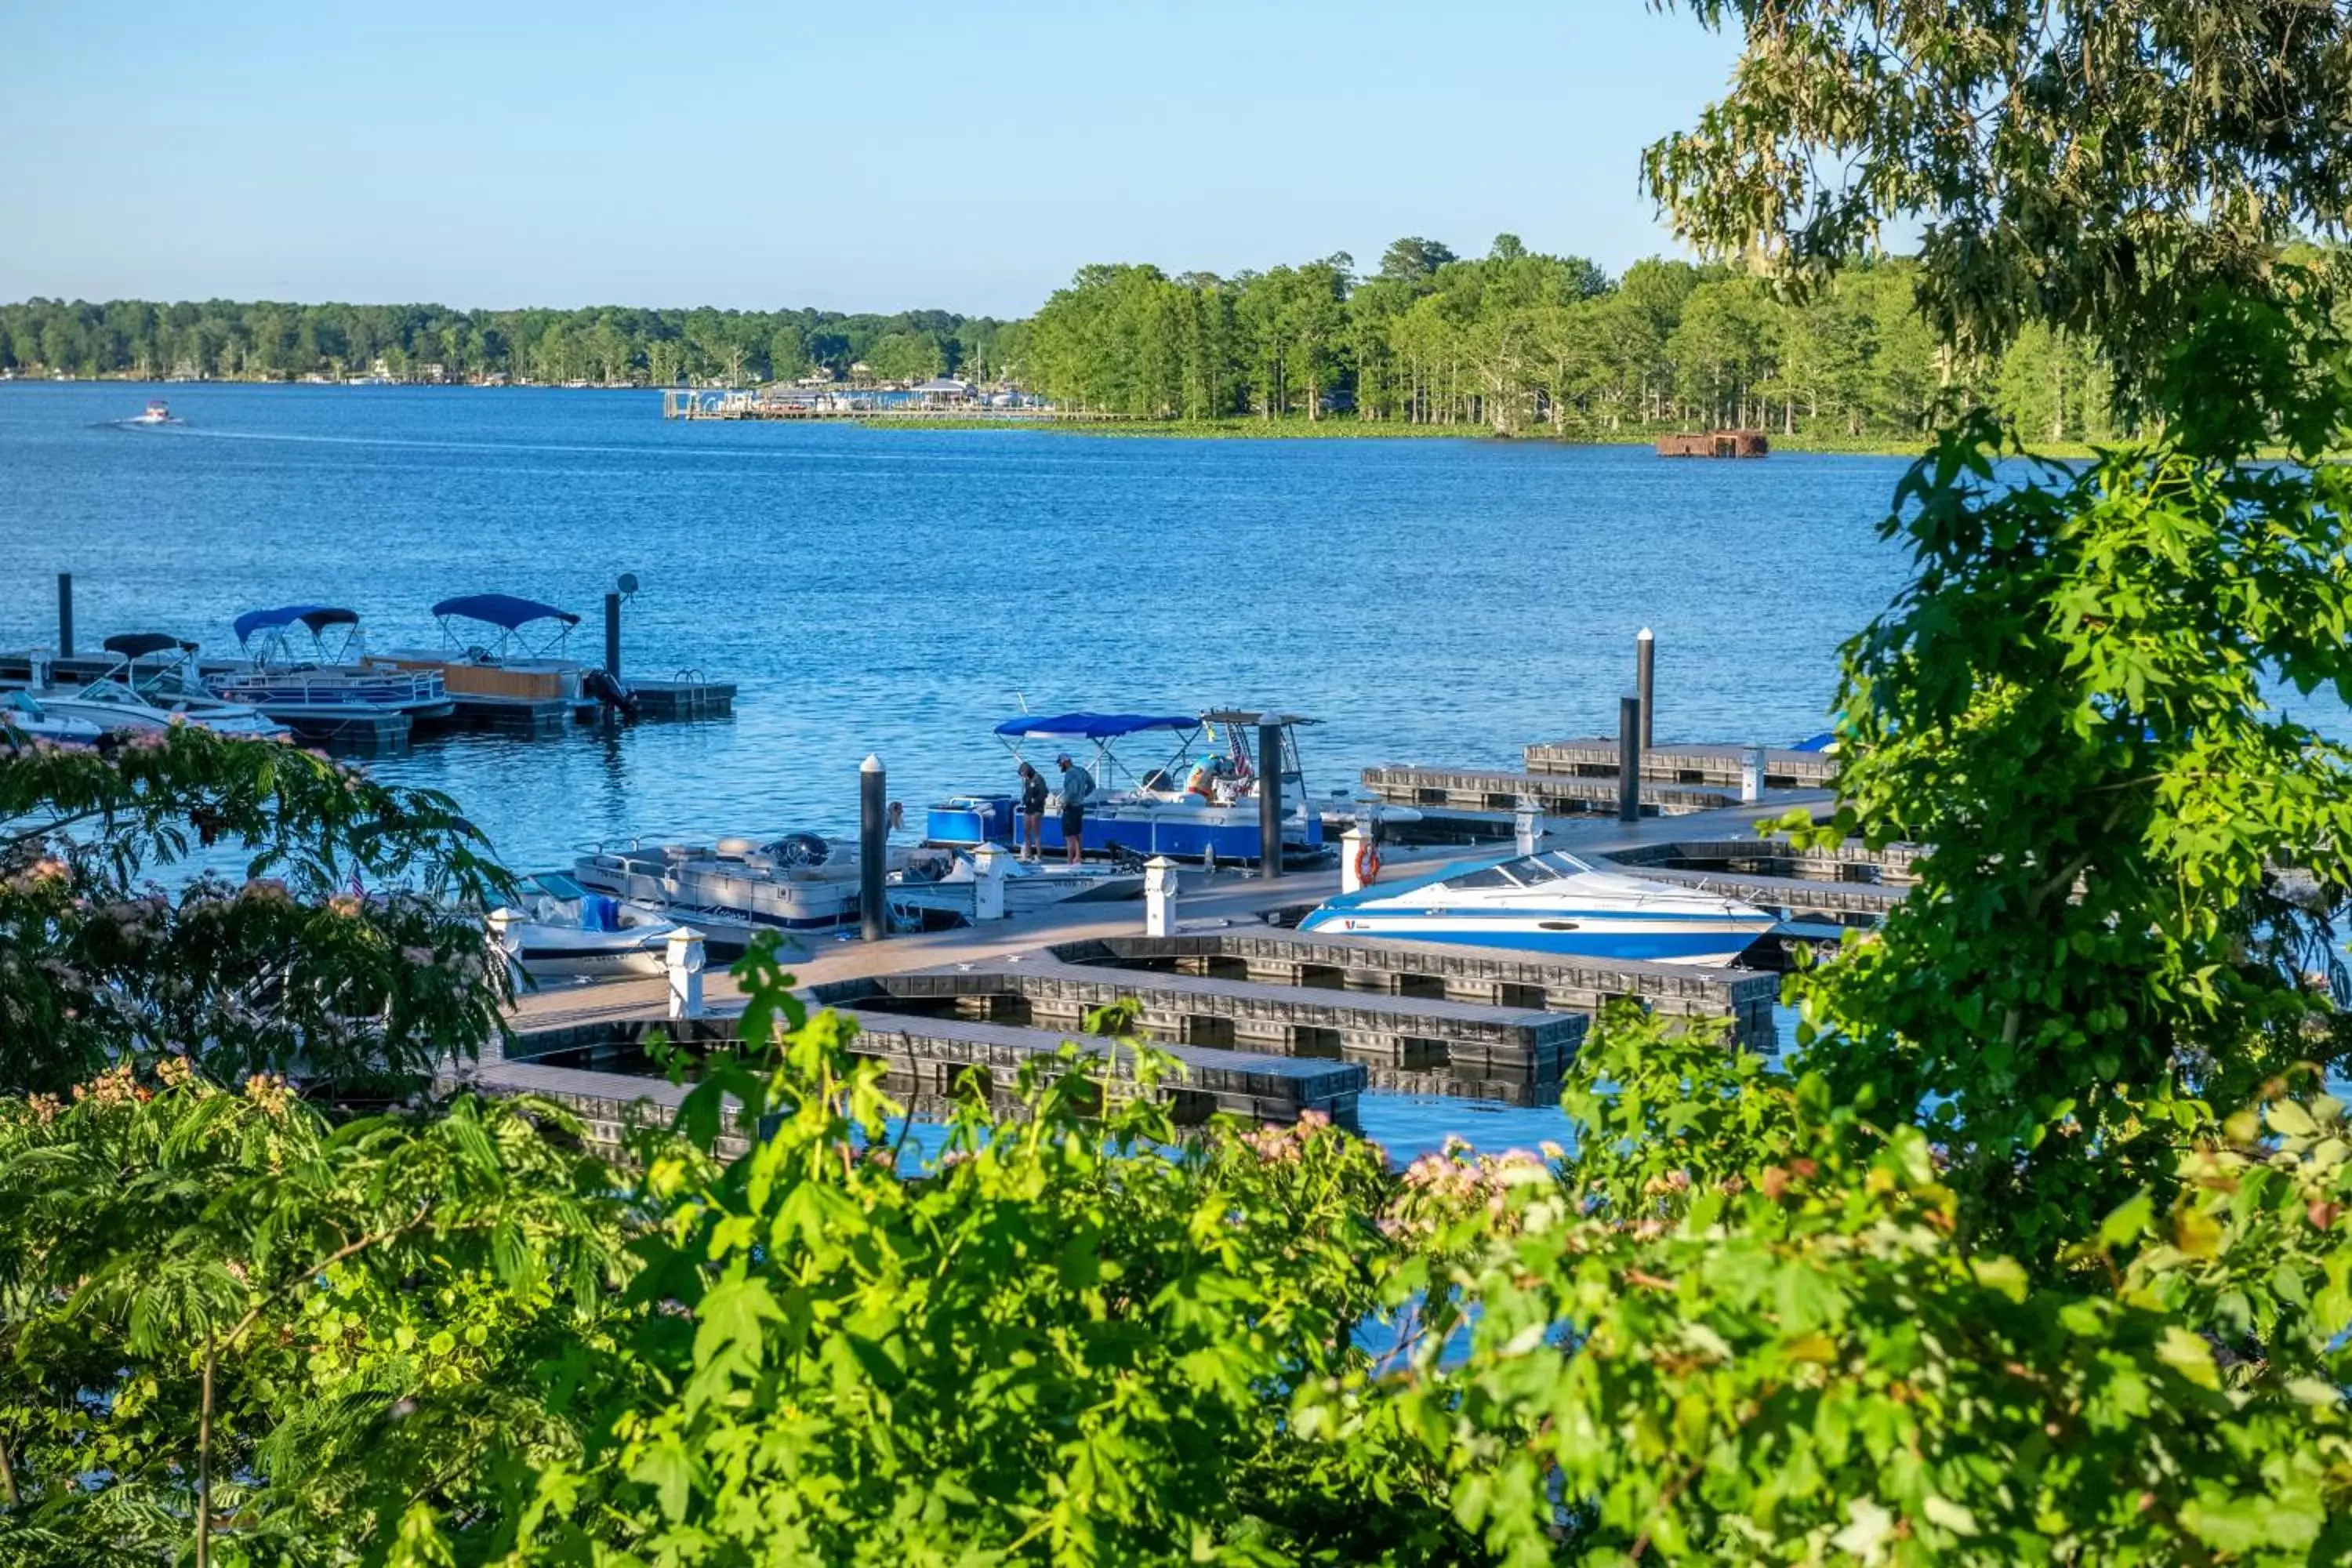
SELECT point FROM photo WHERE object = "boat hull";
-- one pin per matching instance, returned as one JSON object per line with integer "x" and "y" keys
{"x": 1694, "y": 942}
{"x": 1179, "y": 832}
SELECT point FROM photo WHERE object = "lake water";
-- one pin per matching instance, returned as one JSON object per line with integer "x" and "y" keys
{"x": 901, "y": 592}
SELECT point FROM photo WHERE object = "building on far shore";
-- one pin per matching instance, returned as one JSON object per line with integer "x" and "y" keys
{"x": 946, "y": 392}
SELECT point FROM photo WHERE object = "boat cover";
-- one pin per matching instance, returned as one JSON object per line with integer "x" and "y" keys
{"x": 503, "y": 610}
{"x": 139, "y": 644}
{"x": 1091, "y": 726}
{"x": 1824, "y": 741}
{"x": 318, "y": 617}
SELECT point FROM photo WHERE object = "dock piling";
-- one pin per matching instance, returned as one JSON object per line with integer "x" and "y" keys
{"x": 613, "y": 635}
{"x": 1751, "y": 775}
{"x": 1160, "y": 896}
{"x": 65, "y": 615}
{"x": 1645, "y": 682}
{"x": 873, "y": 847}
{"x": 988, "y": 883}
{"x": 1269, "y": 799}
{"x": 1628, "y": 759}
{"x": 682, "y": 959}
{"x": 1526, "y": 827}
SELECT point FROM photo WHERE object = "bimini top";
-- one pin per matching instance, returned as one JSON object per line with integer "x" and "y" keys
{"x": 139, "y": 644}
{"x": 318, "y": 617}
{"x": 503, "y": 610}
{"x": 1092, "y": 726}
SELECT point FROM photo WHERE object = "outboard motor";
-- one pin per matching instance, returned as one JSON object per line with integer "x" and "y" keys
{"x": 606, "y": 689}
{"x": 808, "y": 849}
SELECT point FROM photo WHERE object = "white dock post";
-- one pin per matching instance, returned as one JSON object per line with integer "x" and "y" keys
{"x": 1751, "y": 775}
{"x": 684, "y": 960}
{"x": 1351, "y": 860}
{"x": 1160, "y": 897}
{"x": 503, "y": 942}
{"x": 988, "y": 883}
{"x": 1526, "y": 827}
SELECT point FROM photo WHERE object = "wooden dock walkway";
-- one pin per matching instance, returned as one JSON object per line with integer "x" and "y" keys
{"x": 1268, "y": 1022}
{"x": 1558, "y": 795}
{"x": 1698, "y": 766}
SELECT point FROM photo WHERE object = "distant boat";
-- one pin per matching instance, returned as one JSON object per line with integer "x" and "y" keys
{"x": 158, "y": 412}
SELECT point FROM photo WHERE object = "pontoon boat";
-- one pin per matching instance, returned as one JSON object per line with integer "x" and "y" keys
{"x": 1550, "y": 903}
{"x": 498, "y": 646}
{"x": 326, "y": 689}
{"x": 1202, "y": 800}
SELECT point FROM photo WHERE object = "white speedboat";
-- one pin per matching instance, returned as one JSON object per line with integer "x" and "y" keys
{"x": 149, "y": 688}
{"x": 158, "y": 412}
{"x": 559, "y": 930}
{"x": 22, "y": 718}
{"x": 1550, "y": 903}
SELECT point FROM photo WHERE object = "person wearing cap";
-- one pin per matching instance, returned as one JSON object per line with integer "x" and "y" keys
{"x": 1076, "y": 785}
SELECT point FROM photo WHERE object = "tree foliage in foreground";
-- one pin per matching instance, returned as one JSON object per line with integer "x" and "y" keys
{"x": 350, "y": 949}
{"x": 2096, "y": 166}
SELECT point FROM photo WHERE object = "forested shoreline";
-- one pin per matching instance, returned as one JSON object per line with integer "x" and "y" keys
{"x": 1513, "y": 343}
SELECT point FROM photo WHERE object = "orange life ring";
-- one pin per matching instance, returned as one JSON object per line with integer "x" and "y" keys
{"x": 1368, "y": 862}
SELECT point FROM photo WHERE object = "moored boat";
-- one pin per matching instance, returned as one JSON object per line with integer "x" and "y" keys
{"x": 327, "y": 691}
{"x": 497, "y": 648}
{"x": 1201, "y": 802}
{"x": 149, "y": 688}
{"x": 23, "y": 718}
{"x": 1550, "y": 901}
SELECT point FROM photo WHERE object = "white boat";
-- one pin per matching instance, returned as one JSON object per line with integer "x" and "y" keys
{"x": 806, "y": 882}
{"x": 158, "y": 412}
{"x": 149, "y": 688}
{"x": 1550, "y": 903}
{"x": 23, "y": 718}
{"x": 558, "y": 931}
{"x": 326, "y": 689}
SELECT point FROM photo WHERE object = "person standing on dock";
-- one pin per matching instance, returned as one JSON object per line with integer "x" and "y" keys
{"x": 1033, "y": 813}
{"x": 1076, "y": 785}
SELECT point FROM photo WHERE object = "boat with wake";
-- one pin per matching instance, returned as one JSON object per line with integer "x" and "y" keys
{"x": 1554, "y": 903}
{"x": 158, "y": 412}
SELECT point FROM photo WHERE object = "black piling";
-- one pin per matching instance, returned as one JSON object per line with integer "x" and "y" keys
{"x": 1628, "y": 759}
{"x": 613, "y": 635}
{"x": 1645, "y": 680}
{"x": 873, "y": 849}
{"x": 65, "y": 615}
{"x": 1269, "y": 800}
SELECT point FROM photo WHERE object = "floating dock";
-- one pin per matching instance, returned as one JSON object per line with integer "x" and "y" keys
{"x": 1499, "y": 791}
{"x": 1700, "y": 766}
{"x": 1265, "y": 1021}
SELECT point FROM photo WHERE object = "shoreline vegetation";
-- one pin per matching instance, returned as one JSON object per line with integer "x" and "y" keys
{"x": 1514, "y": 343}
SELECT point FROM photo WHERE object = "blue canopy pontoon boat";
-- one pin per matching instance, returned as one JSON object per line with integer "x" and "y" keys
{"x": 1202, "y": 802}
{"x": 326, "y": 691}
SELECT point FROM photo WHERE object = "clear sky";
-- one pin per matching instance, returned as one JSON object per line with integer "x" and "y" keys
{"x": 964, "y": 154}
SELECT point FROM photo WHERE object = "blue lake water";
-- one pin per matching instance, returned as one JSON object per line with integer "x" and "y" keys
{"x": 901, "y": 592}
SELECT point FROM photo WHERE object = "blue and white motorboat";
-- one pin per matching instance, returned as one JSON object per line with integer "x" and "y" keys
{"x": 22, "y": 718}
{"x": 325, "y": 690}
{"x": 1552, "y": 903}
{"x": 1201, "y": 802}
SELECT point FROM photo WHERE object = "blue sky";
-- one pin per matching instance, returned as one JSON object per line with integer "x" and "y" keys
{"x": 966, "y": 155}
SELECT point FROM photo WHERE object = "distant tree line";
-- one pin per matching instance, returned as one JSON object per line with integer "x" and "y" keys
{"x": 1514, "y": 342}
{"x": 605, "y": 344}
{"x": 1520, "y": 342}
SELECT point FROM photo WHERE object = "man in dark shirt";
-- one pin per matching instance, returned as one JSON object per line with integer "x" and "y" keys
{"x": 1076, "y": 785}
{"x": 1033, "y": 812}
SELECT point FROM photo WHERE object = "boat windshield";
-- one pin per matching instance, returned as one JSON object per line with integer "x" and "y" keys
{"x": 1550, "y": 864}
